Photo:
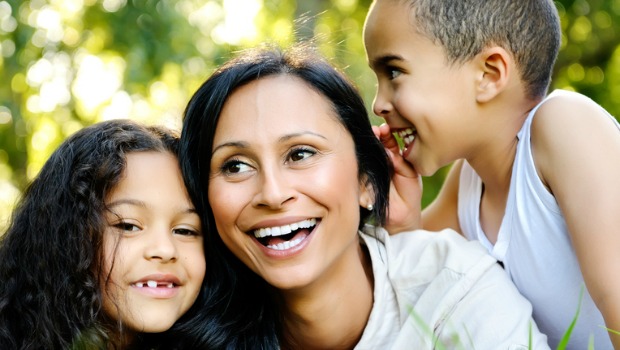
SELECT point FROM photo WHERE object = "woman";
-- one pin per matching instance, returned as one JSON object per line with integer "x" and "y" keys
{"x": 279, "y": 156}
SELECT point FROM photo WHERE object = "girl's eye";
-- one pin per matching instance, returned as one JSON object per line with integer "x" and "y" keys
{"x": 126, "y": 226}
{"x": 300, "y": 154}
{"x": 185, "y": 232}
{"x": 235, "y": 167}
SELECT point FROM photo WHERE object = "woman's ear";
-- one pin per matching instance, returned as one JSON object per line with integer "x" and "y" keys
{"x": 495, "y": 69}
{"x": 366, "y": 193}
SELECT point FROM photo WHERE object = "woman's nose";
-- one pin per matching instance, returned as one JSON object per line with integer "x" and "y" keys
{"x": 274, "y": 190}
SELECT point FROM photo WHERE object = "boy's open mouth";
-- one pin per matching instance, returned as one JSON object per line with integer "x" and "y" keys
{"x": 407, "y": 135}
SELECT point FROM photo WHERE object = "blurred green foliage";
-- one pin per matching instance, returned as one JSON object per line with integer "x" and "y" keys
{"x": 65, "y": 64}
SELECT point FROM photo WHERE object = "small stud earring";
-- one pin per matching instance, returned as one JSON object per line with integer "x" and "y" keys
{"x": 370, "y": 207}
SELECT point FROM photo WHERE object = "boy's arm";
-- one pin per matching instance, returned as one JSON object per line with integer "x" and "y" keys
{"x": 576, "y": 149}
{"x": 442, "y": 212}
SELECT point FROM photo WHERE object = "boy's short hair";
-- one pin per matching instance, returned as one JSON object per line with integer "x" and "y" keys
{"x": 528, "y": 29}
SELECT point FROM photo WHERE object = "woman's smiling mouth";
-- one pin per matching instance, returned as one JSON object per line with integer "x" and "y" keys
{"x": 286, "y": 236}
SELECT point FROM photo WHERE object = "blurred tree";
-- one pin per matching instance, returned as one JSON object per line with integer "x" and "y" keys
{"x": 65, "y": 64}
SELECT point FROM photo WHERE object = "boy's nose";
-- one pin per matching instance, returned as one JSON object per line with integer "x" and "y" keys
{"x": 381, "y": 105}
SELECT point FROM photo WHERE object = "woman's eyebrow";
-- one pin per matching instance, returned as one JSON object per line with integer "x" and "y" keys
{"x": 298, "y": 134}
{"x": 235, "y": 144}
{"x": 242, "y": 144}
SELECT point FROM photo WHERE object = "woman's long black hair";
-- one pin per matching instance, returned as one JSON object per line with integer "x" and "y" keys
{"x": 249, "y": 310}
{"x": 51, "y": 254}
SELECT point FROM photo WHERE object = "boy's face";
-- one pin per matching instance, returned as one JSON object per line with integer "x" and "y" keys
{"x": 423, "y": 99}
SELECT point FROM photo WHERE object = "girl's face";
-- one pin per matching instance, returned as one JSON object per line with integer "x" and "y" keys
{"x": 284, "y": 185}
{"x": 153, "y": 245}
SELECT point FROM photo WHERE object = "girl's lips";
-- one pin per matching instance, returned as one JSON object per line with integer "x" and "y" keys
{"x": 157, "y": 280}
{"x": 157, "y": 292}
{"x": 160, "y": 286}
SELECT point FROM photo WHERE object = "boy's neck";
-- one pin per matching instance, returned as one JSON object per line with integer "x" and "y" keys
{"x": 494, "y": 156}
{"x": 334, "y": 312}
{"x": 494, "y": 162}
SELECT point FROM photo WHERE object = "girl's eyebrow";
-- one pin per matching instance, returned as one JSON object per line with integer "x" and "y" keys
{"x": 242, "y": 144}
{"x": 138, "y": 203}
{"x": 134, "y": 202}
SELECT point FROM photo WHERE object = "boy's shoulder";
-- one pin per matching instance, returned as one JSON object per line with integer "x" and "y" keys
{"x": 564, "y": 102}
{"x": 567, "y": 110}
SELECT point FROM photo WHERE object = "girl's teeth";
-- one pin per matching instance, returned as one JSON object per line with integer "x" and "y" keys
{"x": 153, "y": 284}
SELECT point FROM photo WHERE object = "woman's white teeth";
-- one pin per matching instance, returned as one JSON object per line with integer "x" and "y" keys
{"x": 154, "y": 284}
{"x": 284, "y": 230}
{"x": 285, "y": 245}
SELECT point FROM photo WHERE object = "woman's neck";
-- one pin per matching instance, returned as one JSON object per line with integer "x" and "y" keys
{"x": 333, "y": 312}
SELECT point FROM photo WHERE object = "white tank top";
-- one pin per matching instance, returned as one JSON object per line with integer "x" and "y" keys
{"x": 534, "y": 246}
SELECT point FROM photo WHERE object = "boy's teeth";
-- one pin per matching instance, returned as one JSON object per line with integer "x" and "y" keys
{"x": 152, "y": 284}
{"x": 283, "y": 230}
{"x": 407, "y": 135}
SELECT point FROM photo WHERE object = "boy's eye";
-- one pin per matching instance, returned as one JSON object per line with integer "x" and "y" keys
{"x": 299, "y": 154}
{"x": 393, "y": 73}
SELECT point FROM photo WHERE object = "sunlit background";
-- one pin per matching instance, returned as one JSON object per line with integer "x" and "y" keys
{"x": 65, "y": 64}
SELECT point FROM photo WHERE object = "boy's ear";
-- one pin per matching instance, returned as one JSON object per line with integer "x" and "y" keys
{"x": 495, "y": 65}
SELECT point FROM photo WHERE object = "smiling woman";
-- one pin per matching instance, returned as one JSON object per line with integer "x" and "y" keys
{"x": 281, "y": 161}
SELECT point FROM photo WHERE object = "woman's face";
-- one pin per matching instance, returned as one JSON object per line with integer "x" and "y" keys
{"x": 284, "y": 186}
{"x": 153, "y": 245}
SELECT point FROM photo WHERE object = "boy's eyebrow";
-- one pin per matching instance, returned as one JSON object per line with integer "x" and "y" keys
{"x": 385, "y": 60}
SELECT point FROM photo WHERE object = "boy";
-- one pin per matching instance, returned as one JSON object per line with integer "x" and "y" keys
{"x": 536, "y": 179}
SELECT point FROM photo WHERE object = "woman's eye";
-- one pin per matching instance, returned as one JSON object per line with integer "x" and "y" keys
{"x": 125, "y": 226}
{"x": 300, "y": 154}
{"x": 235, "y": 167}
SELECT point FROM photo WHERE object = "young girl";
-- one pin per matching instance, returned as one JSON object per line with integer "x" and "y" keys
{"x": 279, "y": 155}
{"x": 105, "y": 246}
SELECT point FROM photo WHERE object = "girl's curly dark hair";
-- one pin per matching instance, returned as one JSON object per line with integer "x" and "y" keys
{"x": 51, "y": 254}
